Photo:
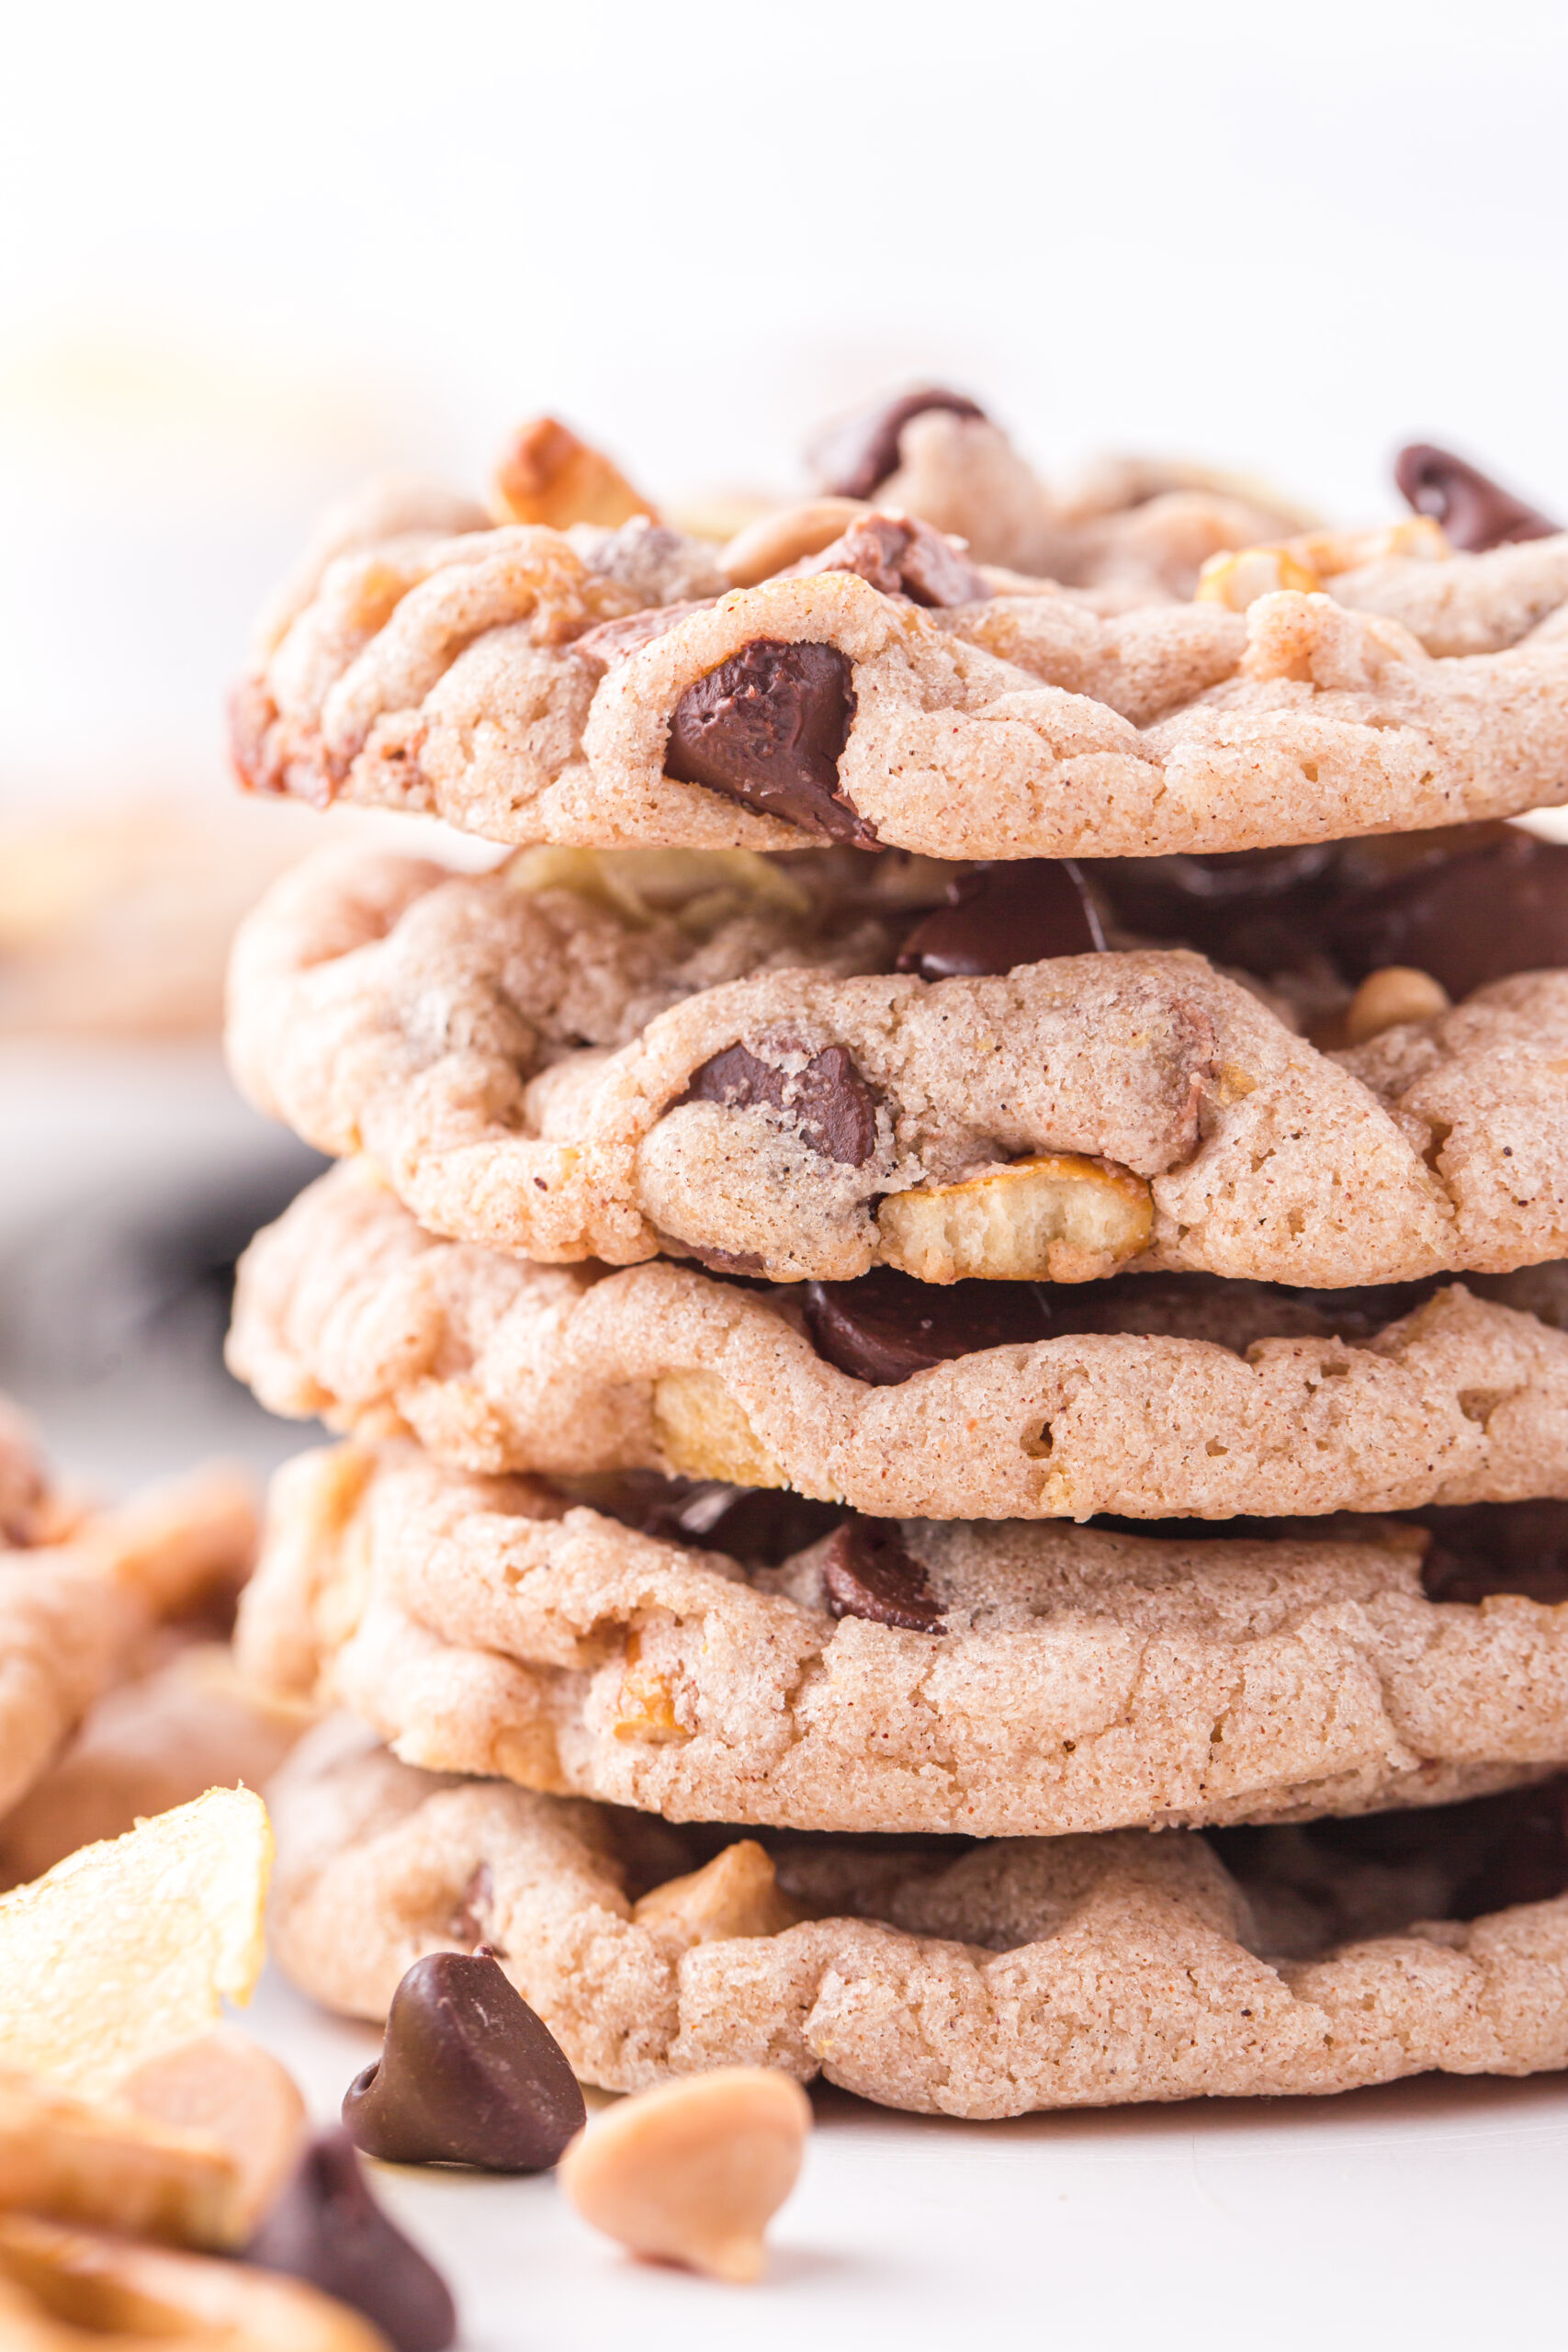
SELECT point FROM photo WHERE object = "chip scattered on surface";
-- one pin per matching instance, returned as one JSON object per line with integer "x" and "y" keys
{"x": 129, "y": 1948}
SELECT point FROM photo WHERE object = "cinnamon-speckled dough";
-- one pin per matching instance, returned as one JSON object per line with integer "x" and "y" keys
{"x": 983, "y": 1981}
{"x": 514, "y": 1053}
{"x": 1210, "y": 1400}
{"x": 456, "y": 674}
{"x": 1082, "y": 1679}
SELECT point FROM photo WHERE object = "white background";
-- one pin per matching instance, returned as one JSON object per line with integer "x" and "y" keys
{"x": 248, "y": 253}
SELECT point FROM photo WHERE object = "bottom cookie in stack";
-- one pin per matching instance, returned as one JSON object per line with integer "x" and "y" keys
{"x": 944, "y": 1975}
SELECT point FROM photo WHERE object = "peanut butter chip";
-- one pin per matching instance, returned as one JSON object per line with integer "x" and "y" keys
{"x": 694, "y": 2172}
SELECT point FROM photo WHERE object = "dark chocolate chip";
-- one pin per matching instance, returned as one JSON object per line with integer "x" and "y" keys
{"x": 868, "y": 1571}
{"x": 327, "y": 2229}
{"x": 1478, "y": 1549}
{"x": 829, "y": 1100}
{"x": 468, "y": 2075}
{"x": 768, "y": 727}
{"x": 1004, "y": 915}
{"x": 886, "y": 1327}
{"x": 1476, "y": 512}
{"x": 852, "y": 459}
{"x": 1467, "y": 920}
{"x": 1525, "y": 1859}
{"x": 901, "y": 556}
{"x": 764, "y": 1526}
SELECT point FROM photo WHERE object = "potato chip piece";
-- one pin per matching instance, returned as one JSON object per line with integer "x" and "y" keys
{"x": 103, "y": 2163}
{"x": 127, "y": 1948}
{"x": 64, "y": 2290}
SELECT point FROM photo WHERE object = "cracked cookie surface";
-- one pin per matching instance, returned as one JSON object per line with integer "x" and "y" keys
{"x": 978, "y": 1981}
{"x": 533, "y": 1070}
{"x": 529, "y": 684}
{"x": 1147, "y": 1395}
{"x": 995, "y": 1678}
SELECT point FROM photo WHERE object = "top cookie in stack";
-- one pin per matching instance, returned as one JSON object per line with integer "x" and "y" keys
{"x": 947, "y": 1181}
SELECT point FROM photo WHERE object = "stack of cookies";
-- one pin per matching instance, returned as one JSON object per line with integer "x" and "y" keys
{"x": 948, "y": 1288}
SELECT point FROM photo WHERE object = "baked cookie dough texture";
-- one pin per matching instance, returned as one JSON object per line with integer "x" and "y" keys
{"x": 1020, "y": 1680}
{"x": 530, "y": 685}
{"x": 876, "y": 1376}
{"x": 1014, "y": 1975}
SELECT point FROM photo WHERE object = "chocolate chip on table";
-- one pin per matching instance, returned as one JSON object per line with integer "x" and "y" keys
{"x": 885, "y": 1327}
{"x": 829, "y": 1100}
{"x": 869, "y": 1571}
{"x": 1468, "y": 918}
{"x": 768, "y": 727}
{"x": 327, "y": 2229}
{"x": 1003, "y": 915}
{"x": 1476, "y": 512}
{"x": 468, "y": 2075}
{"x": 1478, "y": 1549}
{"x": 852, "y": 459}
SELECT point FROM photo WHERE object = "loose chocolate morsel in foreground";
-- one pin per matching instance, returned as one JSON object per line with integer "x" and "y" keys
{"x": 1478, "y": 1549}
{"x": 850, "y": 459}
{"x": 1476, "y": 512}
{"x": 885, "y": 1327}
{"x": 829, "y": 1100}
{"x": 327, "y": 2229}
{"x": 468, "y": 2075}
{"x": 768, "y": 727}
{"x": 1003, "y": 915}
{"x": 1467, "y": 920}
{"x": 868, "y": 1572}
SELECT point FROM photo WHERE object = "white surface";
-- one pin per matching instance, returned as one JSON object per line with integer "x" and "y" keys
{"x": 1421, "y": 2213}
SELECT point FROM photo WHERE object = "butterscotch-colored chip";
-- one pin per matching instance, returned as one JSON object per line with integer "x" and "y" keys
{"x": 705, "y": 1434}
{"x": 128, "y": 1949}
{"x": 693, "y": 2171}
{"x": 115, "y": 2167}
{"x": 1238, "y": 578}
{"x": 1059, "y": 1218}
{"x": 646, "y": 1709}
{"x": 1398, "y": 992}
{"x": 735, "y": 1894}
{"x": 549, "y": 476}
{"x": 228, "y": 2090}
{"x": 773, "y": 541}
{"x": 71, "y": 2291}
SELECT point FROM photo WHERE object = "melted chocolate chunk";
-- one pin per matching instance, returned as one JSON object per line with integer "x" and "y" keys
{"x": 868, "y": 1571}
{"x": 764, "y": 1526}
{"x": 1478, "y": 1549}
{"x": 852, "y": 459}
{"x": 1004, "y": 915}
{"x": 1500, "y": 1850}
{"x": 829, "y": 1100}
{"x": 886, "y": 1327}
{"x": 768, "y": 727}
{"x": 327, "y": 2229}
{"x": 1476, "y": 512}
{"x": 1458, "y": 1861}
{"x": 468, "y": 2075}
{"x": 901, "y": 556}
{"x": 1467, "y": 920}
